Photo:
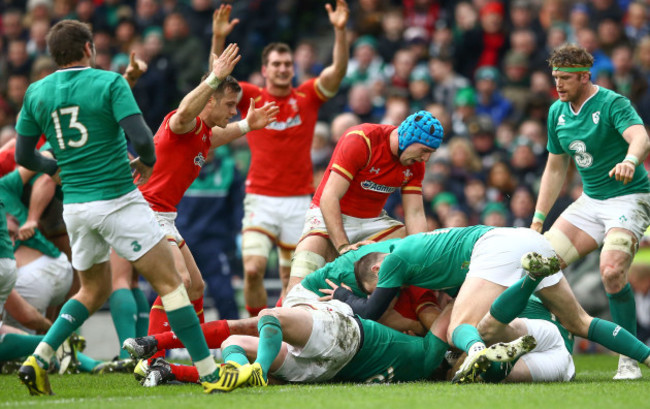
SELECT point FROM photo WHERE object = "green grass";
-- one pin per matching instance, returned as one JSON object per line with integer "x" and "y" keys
{"x": 592, "y": 389}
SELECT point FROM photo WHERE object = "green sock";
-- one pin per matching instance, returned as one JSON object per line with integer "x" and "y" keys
{"x": 498, "y": 371}
{"x": 185, "y": 324}
{"x": 125, "y": 313}
{"x": 142, "y": 324}
{"x": 623, "y": 308}
{"x": 72, "y": 315}
{"x": 618, "y": 339}
{"x": 464, "y": 336}
{"x": 86, "y": 363}
{"x": 14, "y": 346}
{"x": 270, "y": 342}
{"x": 235, "y": 353}
{"x": 513, "y": 300}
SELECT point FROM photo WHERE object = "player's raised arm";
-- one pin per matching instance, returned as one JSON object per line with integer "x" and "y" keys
{"x": 221, "y": 27}
{"x": 331, "y": 77}
{"x": 256, "y": 118}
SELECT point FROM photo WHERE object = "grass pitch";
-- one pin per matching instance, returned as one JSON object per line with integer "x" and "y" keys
{"x": 592, "y": 389}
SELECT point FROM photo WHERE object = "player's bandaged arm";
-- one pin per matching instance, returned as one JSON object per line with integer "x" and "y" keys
{"x": 370, "y": 308}
{"x": 32, "y": 159}
{"x": 141, "y": 138}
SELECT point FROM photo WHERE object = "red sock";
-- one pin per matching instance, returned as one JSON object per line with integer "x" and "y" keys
{"x": 254, "y": 311}
{"x": 215, "y": 333}
{"x": 158, "y": 324}
{"x": 279, "y": 303}
{"x": 185, "y": 373}
{"x": 198, "y": 307}
{"x": 168, "y": 340}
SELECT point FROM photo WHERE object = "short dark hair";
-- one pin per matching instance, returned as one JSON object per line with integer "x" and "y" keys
{"x": 279, "y": 47}
{"x": 570, "y": 55}
{"x": 66, "y": 41}
{"x": 229, "y": 83}
{"x": 363, "y": 269}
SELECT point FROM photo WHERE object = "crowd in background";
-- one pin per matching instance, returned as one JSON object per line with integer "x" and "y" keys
{"x": 479, "y": 66}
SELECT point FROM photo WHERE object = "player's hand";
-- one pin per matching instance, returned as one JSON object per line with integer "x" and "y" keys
{"x": 27, "y": 230}
{"x": 537, "y": 226}
{"x": 56, "y": 177}
{"x": 355, "y": 246}
{"x": 330, "y": 291}
{"x": 339, "y": 16}
{"x": 259, "y": 118}
{"x": 225, "y": 63}
{"x": 623, "y": 172}
{"x": 141, "y": 172}
{"x": 221, "y": 27}
{"x": 135, "y": 69}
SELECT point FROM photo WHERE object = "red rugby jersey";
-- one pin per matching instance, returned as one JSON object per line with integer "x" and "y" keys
{"x": 412, "y": 299}
{"x": 363, "y": 157}
{"x": 281, "y": 152}
{"x": 179, "y": 159}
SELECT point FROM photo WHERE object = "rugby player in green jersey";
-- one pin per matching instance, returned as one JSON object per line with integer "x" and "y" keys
{"x": 8, "y": 272}
{"x": 84, "y": 113}
{"x": 484, "y": 261}
{"x": 607, "y": 139}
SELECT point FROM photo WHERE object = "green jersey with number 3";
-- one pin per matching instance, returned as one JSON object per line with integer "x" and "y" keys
{"x": 78, "y": 110}
{"x": 593, "y": 137}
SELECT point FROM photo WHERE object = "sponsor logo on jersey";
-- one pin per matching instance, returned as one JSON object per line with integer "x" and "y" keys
{"x": 596, "y": 117}
{"x": 374, "y": 170}
{"x": 561, "y": 120}
{"x": 374, "y": 187}
{"x": 294, "y": 104}
{"x": 199, "y": 160}
{"x": 282, "y": 125}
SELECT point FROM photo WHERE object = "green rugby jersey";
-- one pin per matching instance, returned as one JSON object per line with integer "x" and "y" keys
{"x": 78, "y": 110}
{"x": 437, "y": 260}
{"x": 341, "y": 270}
{"x": 593, "y": 137}
{"x": 387, "y": 355}
{"x": 11, "y": 190}
{"x": 6, "y": 249}
{"x": 537, "y": 311}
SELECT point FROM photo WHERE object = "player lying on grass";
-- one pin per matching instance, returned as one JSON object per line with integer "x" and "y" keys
{"x": 485, "y": 261}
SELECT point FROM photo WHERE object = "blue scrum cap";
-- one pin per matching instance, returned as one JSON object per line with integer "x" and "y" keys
{"x": 421, "y": 127}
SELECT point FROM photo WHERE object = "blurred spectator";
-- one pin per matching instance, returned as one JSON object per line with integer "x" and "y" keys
{"x": 365, "y": 65}
{"x": 419, "y": 89}
{"x": 475, "y": 198}
{"x": 442, "y": 204}
{"x": 125, "y": 35}
{"x": 523, "y": 41}
{"x": 600, "y": 10}
{"x": 184, "y": 51}
{"x": 397, "y": 109}
{"x": 39, "y": 10}
{"x": 482, "y": 133}
{"x": 505, "y": 135}
{"x": 465, "y": 19}
{"x": 516, "y": 82}
{"x": 85, "y": 12}
{"x": 464, "y": 110}
{"x": 422, "y": 14}
{"x": 439, "y": 111}
{"x": 37, "y": 46}
{"x": 321, "y": 146}
{"x": 552, "y": 12}
{"x": 495, "y": 214}
{"x": 523, "y": 16}
{"x": 446, "y": 82}
{"x": 642, "y": 58}
{"x": 443, "y": 40}
{"x": 484, "y": 45}
{"x": 489, "y": 100}
{"x": 340, "y": 123}
{"x": 18, "y": 59}
{"x": 524, "y": 162}
{"x": 399, "y": 71}
{"x": 306, "y": 64}
{"x": 627, "y": 80}
{"x": 147, "y": 14}
{"x": 464, "y": 162}
{"x": 16, "y": 87}
{"x": 501, "y": 183}
{"x": 365, "y": 17}
{"x": 12, "y": 26}
{"x": 417, "y": 41}
{"x": 578, "y": 20}
{"x": 199, "y": 18}
{"x": 522, "y": 207}
{"x": 456, "y": 218}
{"x": 637, "y": 25}
{"x": 42, "y": 67}
{"x": 390, "y": 39}
{"x": 588, "y": 39}
{"x": 610, "y": 35}
{"x": 360, "y": 103}
{"x": 535, "y": 132}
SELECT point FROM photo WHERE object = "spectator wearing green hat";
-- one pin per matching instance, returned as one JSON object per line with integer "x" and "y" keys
{"x": 489, "y": 100}
{"x": 365, "y": 66}
{"x": 495, "y": 214}
{"x": 464, "y": 110}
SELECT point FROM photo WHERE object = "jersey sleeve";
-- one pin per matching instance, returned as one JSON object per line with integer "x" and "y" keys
{"x": 352, "y": 155}
{"x": 12, "y": 183}
{"x": 198, "y": 126}
{"x": 553, "y": 144}
{"x": 412, "y": 300}
{"x": 312, "y": 88}
{"x": 623, "y": 115}
{"x": 248, "y": 91}
{"x": 392, "y": 272}
{"x": 27, "y": 124}
{"x": 122, "y": 100}
{"x": 414, "y": 185}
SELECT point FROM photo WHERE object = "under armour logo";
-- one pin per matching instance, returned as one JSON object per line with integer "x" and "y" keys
{"x": 374, "y": 170}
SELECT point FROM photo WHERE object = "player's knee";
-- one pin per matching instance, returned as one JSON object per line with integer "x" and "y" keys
{"x": 254, "y": 272}
{"x": 272, "y": 312}
{"x": 487, "y": 329}
{"x": 187, "y": 281}
{"x": 305, "y": 263}
{"x": 197, "y": 289}
{"x": 562, "y": 246}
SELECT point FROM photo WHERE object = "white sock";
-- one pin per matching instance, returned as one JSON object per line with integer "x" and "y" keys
{"x": 45, "y": 352}
{"x": 206, "y": 366}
